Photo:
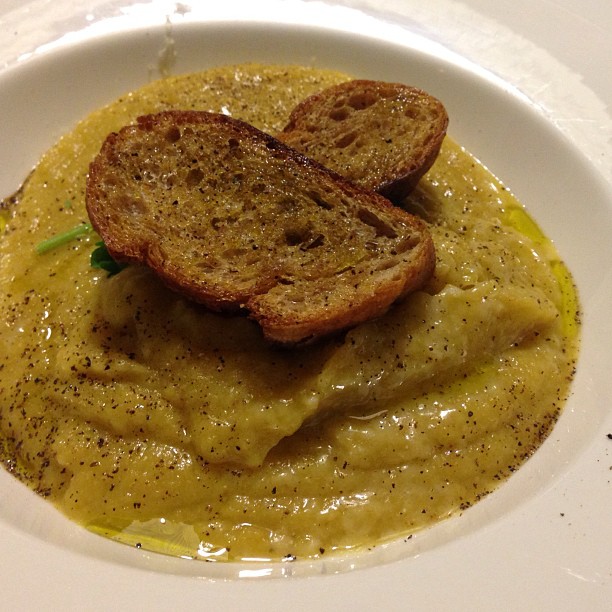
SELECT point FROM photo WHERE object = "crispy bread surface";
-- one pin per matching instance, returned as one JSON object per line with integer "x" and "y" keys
{"x": 382, "y": 136}
{"x": 238, "y": 221}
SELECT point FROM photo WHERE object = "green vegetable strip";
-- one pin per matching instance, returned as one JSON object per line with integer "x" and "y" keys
{"x": 65, "y": 237}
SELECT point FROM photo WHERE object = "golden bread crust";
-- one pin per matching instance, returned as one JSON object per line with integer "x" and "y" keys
{"x": 238, "y": 221}
{"x": 382, "y": 136}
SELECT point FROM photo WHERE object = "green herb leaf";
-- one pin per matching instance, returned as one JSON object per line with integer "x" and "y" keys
{"x": 63, "y": 238}
{"x": 100, "y": 258}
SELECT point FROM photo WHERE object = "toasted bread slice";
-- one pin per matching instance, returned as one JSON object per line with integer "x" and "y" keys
{"x": 236, "y": 220}
{"x": 382, "y": 136}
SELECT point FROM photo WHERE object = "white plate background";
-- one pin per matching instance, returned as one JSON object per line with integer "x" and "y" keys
{"x": 528, "y": 87}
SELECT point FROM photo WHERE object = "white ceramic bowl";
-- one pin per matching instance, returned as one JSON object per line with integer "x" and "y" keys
{"x": 537, "y": 541}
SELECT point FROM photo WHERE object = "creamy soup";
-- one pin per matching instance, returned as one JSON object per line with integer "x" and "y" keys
{"x": 148, "y": 419}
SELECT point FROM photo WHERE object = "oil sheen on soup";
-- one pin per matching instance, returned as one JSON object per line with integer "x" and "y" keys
{"x": 148, "y": 419}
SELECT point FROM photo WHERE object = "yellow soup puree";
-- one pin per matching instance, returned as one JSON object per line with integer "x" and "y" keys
{"x": 146, "y": 418}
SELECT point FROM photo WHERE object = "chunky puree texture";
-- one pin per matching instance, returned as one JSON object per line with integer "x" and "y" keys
{"x": 146, "y": 418}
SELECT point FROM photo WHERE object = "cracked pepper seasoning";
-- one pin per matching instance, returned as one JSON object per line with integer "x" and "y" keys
{"x": 147, "y": 419}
